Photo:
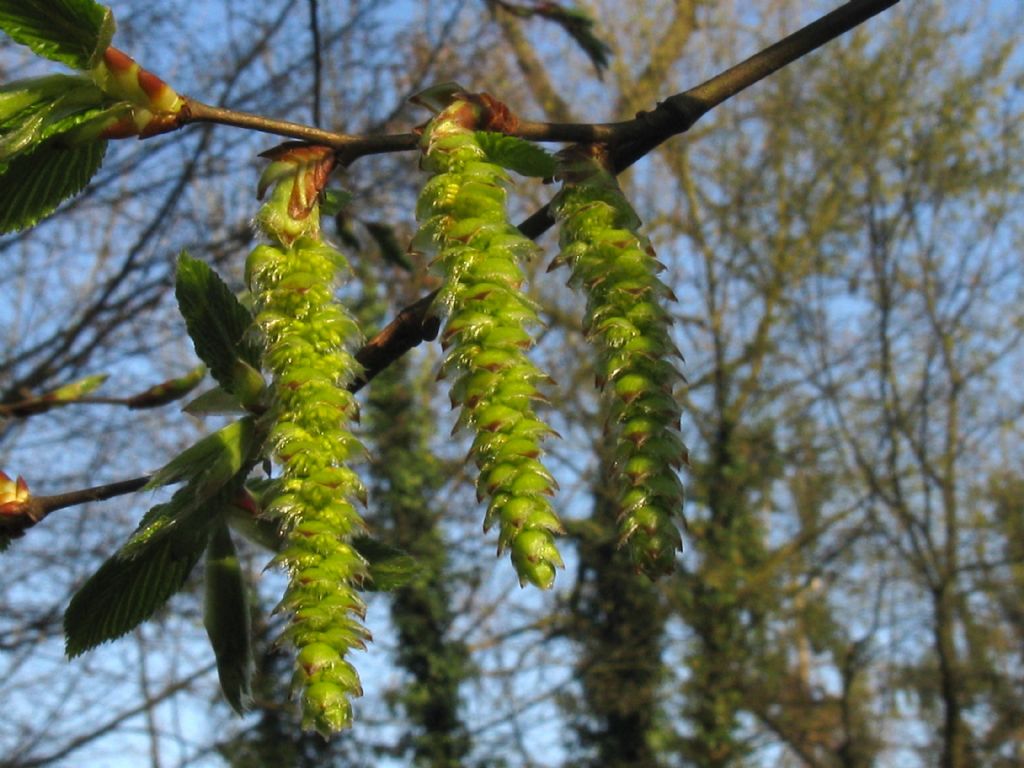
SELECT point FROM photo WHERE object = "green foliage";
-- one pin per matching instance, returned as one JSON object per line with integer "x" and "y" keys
{"x": 153, "y": 565}
{"x": 463, "y": 220}
{"x": 76, "y": 389}
{"x": 33, "y": 184}
{"x": 158, "y": 557}
{"x": 215, "y": 400}
{"x": 580, "y": 28}
{"x": 226, "y": 618}
{"x": 32, "y": 111}
{"x": 516, "y": 154}
{"x": 215, "y": 459}
{"x": 576, "y": 23}
{"x": 73, "y": 32}
{"x": 219, "y": 326}
{"x": 407, "y": 476}
{"x": 617, "y": 621}
{"x": 390, "y": 249}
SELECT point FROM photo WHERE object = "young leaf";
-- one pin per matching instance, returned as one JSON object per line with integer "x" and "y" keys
{"x": 215, "y": 400}
{"x": 217, "y": 323}
{"x": 73, "y": 32}
{"x": 77, "y": 389}
{"x": 151, "y": 566}
{"x": 127, "y": 590}
{"x": 226, "y": 618}
{"x": 516, "y": 154}
{"x": 47, "y": 118}
{"x": 32, "y": 185}
{"x": 215, "y": 459}
{"x": 332, "y": 201}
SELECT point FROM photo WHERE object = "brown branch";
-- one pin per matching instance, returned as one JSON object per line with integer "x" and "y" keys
{"x": 16, "y": 520}
{"x": 411, "y": 326}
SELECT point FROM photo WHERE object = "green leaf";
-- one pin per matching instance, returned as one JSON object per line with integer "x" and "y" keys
{"x": 136, "y": 581}
{"x": 214, "y": 460}
{"x": 259, "y": 530}
{"x": 516, "y": 154}
{"x": 49, "y": 116}
{"x": 217, "y": 323}
{"x": 32, "y": 185}
{"x": 73, "y": 32}
{"x": 215, "y": 400}
{"x": 389, "y": 567}
{"x": 226, "y": 618}
{"x": 21, "y": 97}
{"x": 151, "y": 566}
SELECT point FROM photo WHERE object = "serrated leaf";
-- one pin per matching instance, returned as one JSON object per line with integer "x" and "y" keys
{"x": 389, "y": 567}
{"x": 73, "y": 32}
{"x": 211, "y": 462}
{"x": 516, "y": 154}
{"x": 226, "y": 618}
{"x": 151, "y": 566}
{"x": 127, "y": 590}
{"x": 33, "y": 184}
{"x": 390, "y": 249}
{"x": 263, "y": 531}
{"x": 217, "y": 323}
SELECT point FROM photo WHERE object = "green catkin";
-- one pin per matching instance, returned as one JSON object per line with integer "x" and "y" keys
{"x": 308, "y": 340}
{"x": 626, "y": 320}
{"x": 464, "y": 222}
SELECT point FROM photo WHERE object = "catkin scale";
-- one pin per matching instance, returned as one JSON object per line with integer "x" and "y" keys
{"x": 463, "y": 223}
{"x": 308, "y": 340}
{"x": 616, "y": 268}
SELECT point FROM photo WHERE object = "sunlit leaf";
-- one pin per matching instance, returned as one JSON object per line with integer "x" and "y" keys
{"x": 212, "y": 461}
{"x": 519, "y": 155}
{"x": 73, "y": 32}
{"x": 217, "y": 323}
{"x": 32, "y": 185}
